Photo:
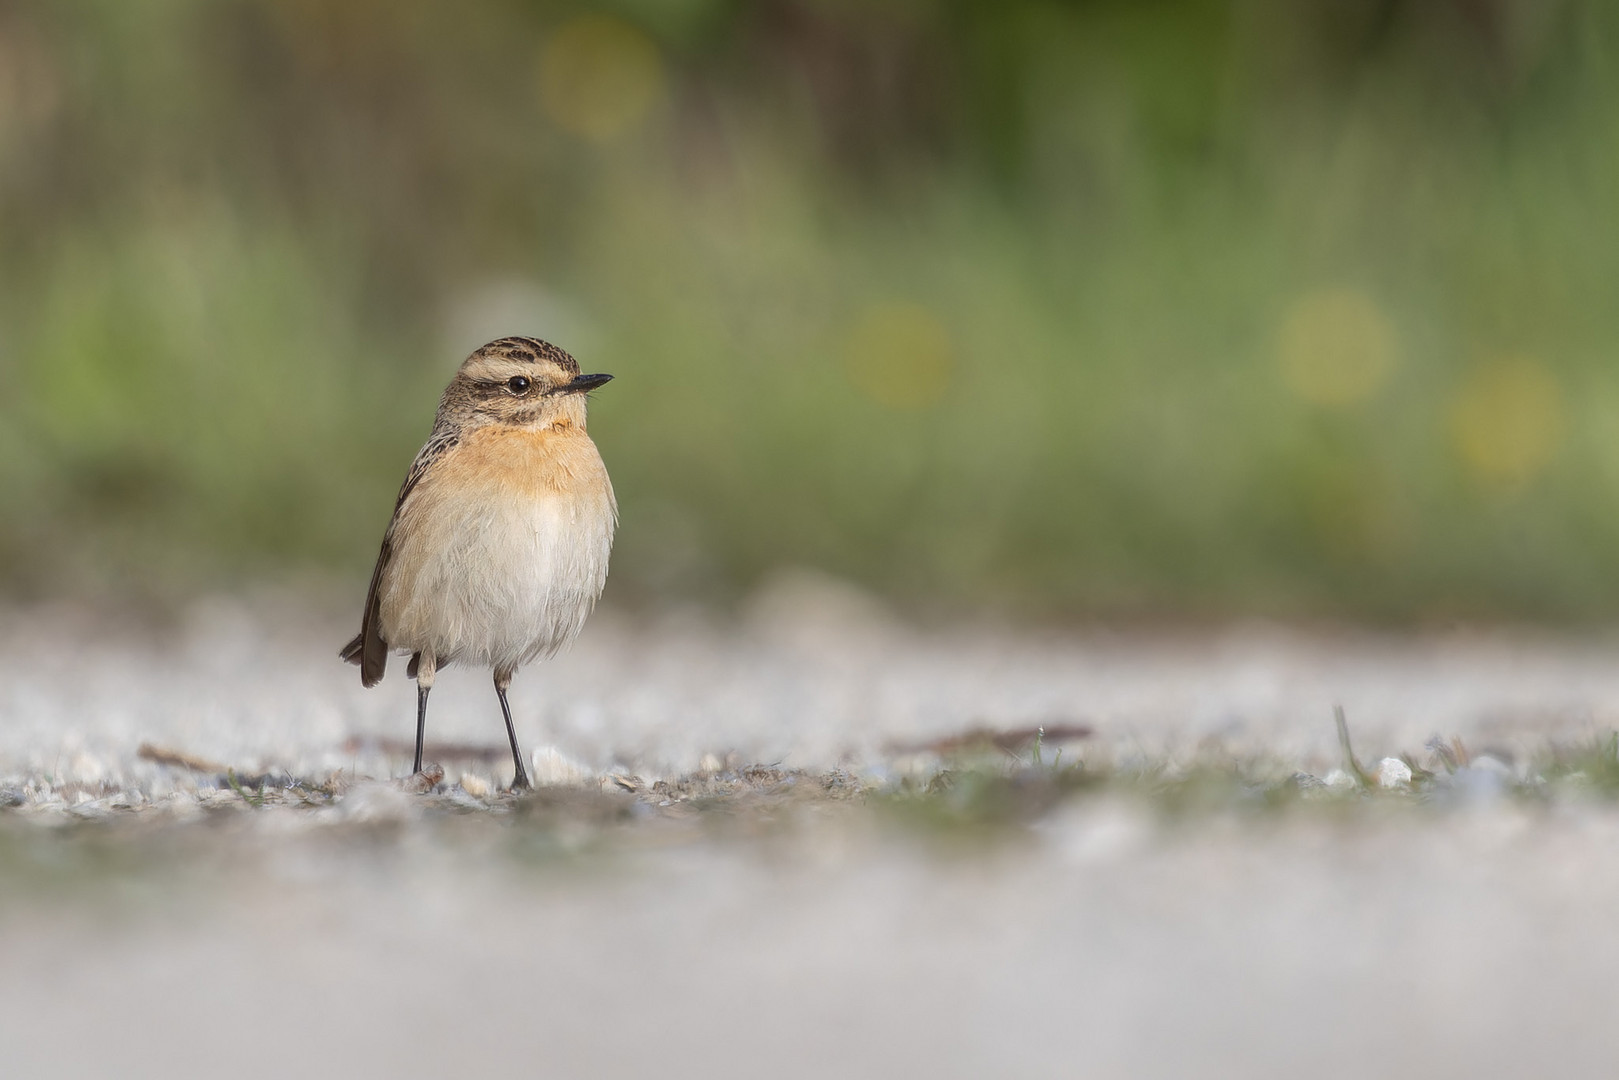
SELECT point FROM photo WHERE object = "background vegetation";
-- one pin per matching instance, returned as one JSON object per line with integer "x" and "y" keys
{"x": 1096, "y": 307}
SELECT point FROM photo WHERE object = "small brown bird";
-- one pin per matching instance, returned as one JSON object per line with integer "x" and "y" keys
{"x": 500, "y": 537}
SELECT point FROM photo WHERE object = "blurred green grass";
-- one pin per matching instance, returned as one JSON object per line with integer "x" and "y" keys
{"x": 1097, "y": 308}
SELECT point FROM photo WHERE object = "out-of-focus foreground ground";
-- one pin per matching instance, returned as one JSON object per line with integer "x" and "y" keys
{"x": 764, "y": 846}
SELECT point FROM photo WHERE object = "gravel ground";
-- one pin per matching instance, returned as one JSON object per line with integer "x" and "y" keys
{"x": 663, "y": 908}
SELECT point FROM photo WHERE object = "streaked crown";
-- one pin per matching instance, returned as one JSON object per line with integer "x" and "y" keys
{"x": 521, "y": 355}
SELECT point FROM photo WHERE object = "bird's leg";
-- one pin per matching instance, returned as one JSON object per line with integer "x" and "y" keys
{"x": 503, "y": 679}
{"x": 424, "y": 667}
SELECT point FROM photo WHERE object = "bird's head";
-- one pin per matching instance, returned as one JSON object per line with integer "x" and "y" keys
{"x": 522, "y": 381}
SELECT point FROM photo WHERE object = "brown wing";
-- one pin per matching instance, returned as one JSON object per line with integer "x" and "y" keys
{"x": 368, "y": 649}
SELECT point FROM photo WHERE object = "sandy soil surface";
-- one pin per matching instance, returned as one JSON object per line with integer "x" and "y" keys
{"x": 661, "y": 909}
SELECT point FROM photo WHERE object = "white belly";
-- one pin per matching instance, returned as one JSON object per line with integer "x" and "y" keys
{"x": 496, "y": 578}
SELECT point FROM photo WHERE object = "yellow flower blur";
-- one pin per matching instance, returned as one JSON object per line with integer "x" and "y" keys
{"x": 899, "y": 355}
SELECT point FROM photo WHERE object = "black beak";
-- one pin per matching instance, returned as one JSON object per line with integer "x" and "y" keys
{"x": 584, "y": 383}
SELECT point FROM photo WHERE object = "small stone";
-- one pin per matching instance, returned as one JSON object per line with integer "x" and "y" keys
{"x": 458, "y": 796}
{"x": 1393, "y": 773}
{"x": 423, "y": 782}
{"x": 1490, "y": 763}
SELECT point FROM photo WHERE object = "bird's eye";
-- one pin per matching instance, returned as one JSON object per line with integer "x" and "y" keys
{"x": 518, "y": 383}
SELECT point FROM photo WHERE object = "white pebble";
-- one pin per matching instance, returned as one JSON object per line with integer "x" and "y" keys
{"x": 1489, "y": 763}
{"x": 1393, "y": 773}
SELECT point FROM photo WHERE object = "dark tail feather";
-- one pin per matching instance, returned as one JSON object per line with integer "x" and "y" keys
{"x": 372, "y": 663}
{"x": 368, "y": 649}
